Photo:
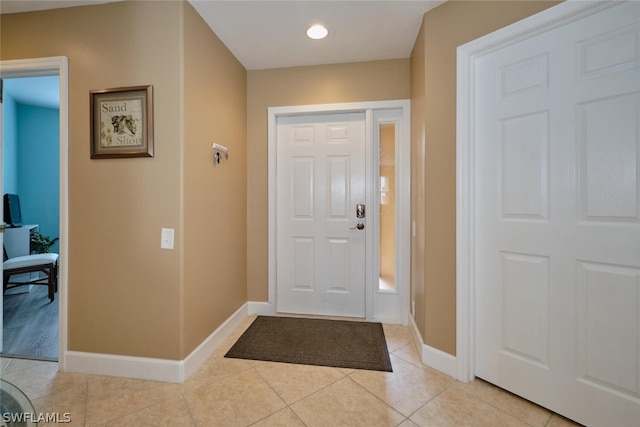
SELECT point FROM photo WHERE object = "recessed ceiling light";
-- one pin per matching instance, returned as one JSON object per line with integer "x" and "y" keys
{"x": 317, "y": 32}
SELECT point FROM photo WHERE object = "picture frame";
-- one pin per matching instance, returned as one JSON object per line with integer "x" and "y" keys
{"x": 122, "y": 122}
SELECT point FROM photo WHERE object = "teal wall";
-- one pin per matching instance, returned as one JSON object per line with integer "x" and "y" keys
{"x": 10, "y": 158}
{"x": 38, "y": 167}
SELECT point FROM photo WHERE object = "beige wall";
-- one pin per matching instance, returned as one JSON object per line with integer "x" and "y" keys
{"x": 215, "y": 202}
{"x": 353, "y": 82}
{"x": 433, "y": 93}
{"x": 126, "y": 295}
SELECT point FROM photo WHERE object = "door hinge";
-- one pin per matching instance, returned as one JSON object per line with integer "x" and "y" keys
{"x": 2, "y": 227}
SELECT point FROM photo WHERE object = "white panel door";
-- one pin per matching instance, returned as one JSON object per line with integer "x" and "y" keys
{"x": 558, "y": 218}
{"x": 321, "y": 178}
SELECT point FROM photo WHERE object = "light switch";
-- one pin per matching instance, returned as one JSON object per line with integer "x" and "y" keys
{"x": 166, "y": 238}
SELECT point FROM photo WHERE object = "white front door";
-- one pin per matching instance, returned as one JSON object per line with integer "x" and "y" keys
{"x": 558, "y": 218}
{"x": 320, "y": 255}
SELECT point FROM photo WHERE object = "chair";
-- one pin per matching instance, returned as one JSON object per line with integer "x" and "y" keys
{"x": 45, "y": 263}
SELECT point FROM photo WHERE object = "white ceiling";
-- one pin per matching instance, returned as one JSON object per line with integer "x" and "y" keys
{"x": 271, "y": 34}
{"x": 15, "y": 6}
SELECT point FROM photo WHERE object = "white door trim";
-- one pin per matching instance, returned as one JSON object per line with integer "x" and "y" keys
{"x": 404, "y": 184}
{"x": 53, "y": 66}
{"x": 468, "y": 54}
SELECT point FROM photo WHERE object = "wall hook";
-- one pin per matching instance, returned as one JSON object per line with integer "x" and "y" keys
{"x": 220, "y": 150}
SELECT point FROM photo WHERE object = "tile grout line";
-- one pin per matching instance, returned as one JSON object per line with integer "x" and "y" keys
{"x": 150, "y": 405}
{"x": 86, "y": 400}
{"x": 375, "y": 396}
{"x": 288, "y": 405}
{"x": 479, "y": 397}
{"x": 428, "y": 401}
{"x": 185, "y": 401}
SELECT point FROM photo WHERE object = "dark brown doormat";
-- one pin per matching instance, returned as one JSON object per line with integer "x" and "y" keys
{"x": 337, "y": 343}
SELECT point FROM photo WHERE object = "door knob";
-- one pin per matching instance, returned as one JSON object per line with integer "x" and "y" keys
{"x": 359, "y": 226}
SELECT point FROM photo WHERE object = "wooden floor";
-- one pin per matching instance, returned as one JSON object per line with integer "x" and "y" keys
{"x": 30, "y": 325}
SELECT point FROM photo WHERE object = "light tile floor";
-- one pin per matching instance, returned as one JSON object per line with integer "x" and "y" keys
{"x": 233, "y": 392}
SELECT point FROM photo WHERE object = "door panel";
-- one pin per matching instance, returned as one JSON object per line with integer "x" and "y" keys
{"x": 321, "y": 177}
{"x": 608, "y": 191}
{"x": 558, "y": 234}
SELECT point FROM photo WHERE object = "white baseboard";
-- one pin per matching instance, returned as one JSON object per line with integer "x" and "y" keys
{"x": 174, "y": 371}
{"x": 431, "y": 356}
{"x": 178, "y": 371}
{"x": 114, "y": 365}
{"x": 202, "y": 352}
{"x": 261, "y": 308}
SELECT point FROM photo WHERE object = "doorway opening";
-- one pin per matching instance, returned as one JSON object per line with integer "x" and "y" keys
{"x": 57, "y": 67}
{"x": 389, "y": 304}
{"x": 31, "y": 170}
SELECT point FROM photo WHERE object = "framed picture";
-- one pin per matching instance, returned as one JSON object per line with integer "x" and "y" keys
{"x": 122, "y": 122}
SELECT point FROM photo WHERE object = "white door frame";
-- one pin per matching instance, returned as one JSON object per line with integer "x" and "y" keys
{"x": 403, "y": 163}
{"x": 468, "y": 54}
{"x": 54, "y": 66}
